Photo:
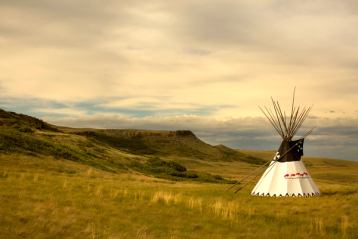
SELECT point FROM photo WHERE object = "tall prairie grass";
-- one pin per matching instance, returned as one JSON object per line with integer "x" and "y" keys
{"x": 95, "y": 204}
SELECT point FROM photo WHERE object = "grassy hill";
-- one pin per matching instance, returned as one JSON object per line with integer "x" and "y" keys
{"x": 181, "y": 143}
{"x": 157, "y": 153}
{"x": 58, "y": 182}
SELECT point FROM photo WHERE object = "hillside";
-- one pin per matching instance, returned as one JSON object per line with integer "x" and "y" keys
{"x": 23, "y": 123}
{"x": 181, "y": 143}
{"x": 114, "y": 150}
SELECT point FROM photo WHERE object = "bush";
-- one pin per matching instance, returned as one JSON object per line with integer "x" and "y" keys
{"x": 158, "y": 164}
{"x": 191, "y": 175}
{"x": 178, "y": 167}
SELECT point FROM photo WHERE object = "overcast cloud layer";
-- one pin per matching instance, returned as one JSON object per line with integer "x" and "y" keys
{"x": 199, "y": 65}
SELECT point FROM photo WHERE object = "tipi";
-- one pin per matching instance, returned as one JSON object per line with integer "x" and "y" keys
{"x": 286, "y": 174}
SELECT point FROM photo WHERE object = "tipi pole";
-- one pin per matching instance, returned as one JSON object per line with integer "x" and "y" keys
{"x": 247, "y": 176}
{"x": 283, "y": 118}
{"x": 292, "y": 113}
{"x": 278, "y": 118}
{"x": 304, "y": 118}
{"x": 308, "y": 132}
{"x": 247, "y": 183}
{"x": 270, "y": 120}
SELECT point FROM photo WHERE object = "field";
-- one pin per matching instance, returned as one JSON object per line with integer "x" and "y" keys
{"x": 49, "y": 198}
{"x": 85, "y": 183}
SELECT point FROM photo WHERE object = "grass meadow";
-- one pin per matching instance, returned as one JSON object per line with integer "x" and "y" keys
{"x": 42, "y": 197}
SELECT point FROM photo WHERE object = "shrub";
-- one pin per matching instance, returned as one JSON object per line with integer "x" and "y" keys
{"x": 161, "y": 165}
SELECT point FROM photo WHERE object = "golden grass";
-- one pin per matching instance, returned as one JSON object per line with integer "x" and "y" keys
{"x": 92, "y": 204}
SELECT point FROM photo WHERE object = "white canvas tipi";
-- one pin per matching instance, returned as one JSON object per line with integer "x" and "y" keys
{"x": 286, "y": 174}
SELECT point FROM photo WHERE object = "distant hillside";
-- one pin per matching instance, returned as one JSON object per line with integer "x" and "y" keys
{"x": 182, "y": 143}
{"x": 112, "y": 150}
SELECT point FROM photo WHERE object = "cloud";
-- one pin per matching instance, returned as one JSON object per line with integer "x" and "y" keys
{"x": 198, "y": 51}
{"x": 131, "y": 107}
{"x": 213, "y": 60}
{"x": 332, "y": 137}
{"x": 130, "y": 43}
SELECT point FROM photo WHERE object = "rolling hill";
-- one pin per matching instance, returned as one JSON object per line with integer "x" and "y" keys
{"x": 114, "y": 150}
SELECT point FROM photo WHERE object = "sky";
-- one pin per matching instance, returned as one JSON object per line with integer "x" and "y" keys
{"x": 205, "y": 66}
